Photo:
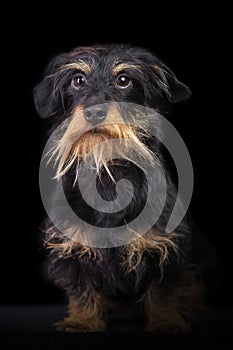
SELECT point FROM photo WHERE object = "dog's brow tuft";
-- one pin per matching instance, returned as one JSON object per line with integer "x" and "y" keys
{"x": 118, "y": 67}
{"x": 79, "y": 65}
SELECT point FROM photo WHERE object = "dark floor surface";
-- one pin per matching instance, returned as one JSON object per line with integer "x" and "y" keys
{"x": 30, "y": 327}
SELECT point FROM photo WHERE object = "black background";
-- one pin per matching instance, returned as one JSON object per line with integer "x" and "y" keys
{"x": 192, "y": 43}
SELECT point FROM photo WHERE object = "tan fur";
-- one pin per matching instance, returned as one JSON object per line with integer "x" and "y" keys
{"x": 77, "y": 141}
{"x": 177, "y": 310}
{"x": 120, "y": 67}
{"x": 69, "y": 248}
{"x": 173, "y": 312}
{"x": 85, "y": 314}
{"x": 151, "y": 242}
{"x": 79, "y": 65}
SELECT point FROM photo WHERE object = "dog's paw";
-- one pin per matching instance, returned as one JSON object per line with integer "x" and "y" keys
{"x": 68, "y": 325}
{"x": 167, "y": 329}
{"x": 172, "y": 326}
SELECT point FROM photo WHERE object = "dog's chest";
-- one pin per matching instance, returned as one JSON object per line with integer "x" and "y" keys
{"x": 110, "y": 275}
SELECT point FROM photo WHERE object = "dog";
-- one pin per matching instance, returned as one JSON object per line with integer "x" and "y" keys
{"x": 166, "y": 274}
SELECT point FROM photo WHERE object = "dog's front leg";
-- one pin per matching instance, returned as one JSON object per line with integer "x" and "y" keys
{"x": 85, "y": 313}
{"x": 176, "y": 311}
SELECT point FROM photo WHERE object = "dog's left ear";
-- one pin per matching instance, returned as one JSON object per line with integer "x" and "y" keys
{"x": 175, "y": 90}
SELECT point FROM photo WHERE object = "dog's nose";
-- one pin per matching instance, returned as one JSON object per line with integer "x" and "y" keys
{"x": 95, "y": 114}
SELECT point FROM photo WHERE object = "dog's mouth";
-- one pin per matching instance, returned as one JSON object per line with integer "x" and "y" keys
{"x": 98, "y": 130}
{"x": 108, "y": 131}
{"x": 100, "y": 135}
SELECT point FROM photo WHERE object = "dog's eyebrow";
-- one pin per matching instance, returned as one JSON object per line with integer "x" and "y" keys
{"x": 79, "y": 65}
{"x": 118, "y": 67}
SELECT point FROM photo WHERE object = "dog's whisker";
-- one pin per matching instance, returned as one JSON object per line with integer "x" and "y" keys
{"x": 66, "y": 152}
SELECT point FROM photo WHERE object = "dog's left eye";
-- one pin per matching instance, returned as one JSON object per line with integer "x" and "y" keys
{"x": 123, "y": 81}
{"x": 79, "y": 80}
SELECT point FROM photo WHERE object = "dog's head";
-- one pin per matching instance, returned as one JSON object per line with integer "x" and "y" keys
{"x": 94, "y": 75}
{"x": 92, "y": 85}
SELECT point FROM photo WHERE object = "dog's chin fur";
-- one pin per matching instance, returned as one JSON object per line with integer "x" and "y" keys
{"x": 95, "y": 148}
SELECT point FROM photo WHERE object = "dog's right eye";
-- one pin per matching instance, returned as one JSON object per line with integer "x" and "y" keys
{"x": 79, "y": 80}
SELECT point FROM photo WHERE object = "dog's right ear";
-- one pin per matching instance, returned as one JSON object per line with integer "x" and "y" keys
{"x": 47, "y": 96}
{"x": 43, "y": 100}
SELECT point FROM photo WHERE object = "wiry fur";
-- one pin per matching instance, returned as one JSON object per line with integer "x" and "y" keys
{"x": 77, "y": 140}
{"x": 163, "y": 272}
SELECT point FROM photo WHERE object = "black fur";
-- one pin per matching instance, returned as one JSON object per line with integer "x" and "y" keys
{"x": 55, "y": 96}
{"x": 104, "y": 269}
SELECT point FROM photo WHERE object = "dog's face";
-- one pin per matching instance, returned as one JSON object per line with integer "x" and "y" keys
{"x": 88, "y": 85}
{"x": 89, "y": 76}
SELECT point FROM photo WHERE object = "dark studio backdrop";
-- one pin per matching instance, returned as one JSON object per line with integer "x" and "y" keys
{"x": 193, "y": 48}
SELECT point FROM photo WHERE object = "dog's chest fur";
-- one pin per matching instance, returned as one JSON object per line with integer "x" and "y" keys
{"x": 110, "y": 273}
{"x": 107, "y": 190}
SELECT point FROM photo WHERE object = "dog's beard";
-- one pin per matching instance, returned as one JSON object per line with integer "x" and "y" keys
{"x": 73, "y": 145}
